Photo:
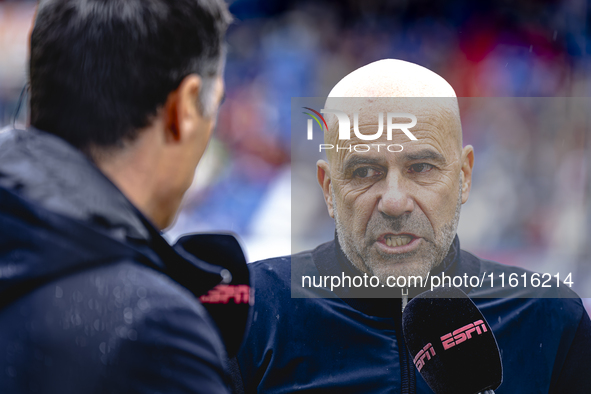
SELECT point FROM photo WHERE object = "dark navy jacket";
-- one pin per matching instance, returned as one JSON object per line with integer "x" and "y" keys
{"x": 92, "y": 298}
{"x": 318, "y": 341}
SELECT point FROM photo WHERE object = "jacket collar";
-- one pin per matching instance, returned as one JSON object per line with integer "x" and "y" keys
{"x": 48, "y": 171}
{"x": 45, "y": 176}
{"x": 58, "y": 207}
{"x": 330, "y": 260}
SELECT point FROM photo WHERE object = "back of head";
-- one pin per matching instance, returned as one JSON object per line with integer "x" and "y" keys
{"x": 101, "y": 69}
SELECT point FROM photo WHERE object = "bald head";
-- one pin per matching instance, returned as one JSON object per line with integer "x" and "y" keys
{"x": 400, "y": 85}
{"x": 392, "y": 78}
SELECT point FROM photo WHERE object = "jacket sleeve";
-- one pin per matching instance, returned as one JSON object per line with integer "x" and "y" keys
{"x": 173, "y": 349}
{"x": 576, "y": 370}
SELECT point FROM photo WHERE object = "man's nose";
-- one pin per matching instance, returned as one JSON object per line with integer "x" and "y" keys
{"x": 395, "y": 199}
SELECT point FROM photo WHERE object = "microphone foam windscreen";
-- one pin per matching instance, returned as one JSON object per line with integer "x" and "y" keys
{"x": 451, "y": 343}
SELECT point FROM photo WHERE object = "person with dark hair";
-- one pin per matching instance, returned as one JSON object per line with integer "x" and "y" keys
{"x": 123, "y": 101}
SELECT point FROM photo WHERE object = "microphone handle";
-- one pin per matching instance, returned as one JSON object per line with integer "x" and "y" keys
{"x": 487, "y": 392}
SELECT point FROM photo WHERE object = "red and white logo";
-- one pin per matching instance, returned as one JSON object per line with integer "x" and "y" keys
{"x": 463, "y": 334}
{"x": 424, "y": 353}
{"x": 222, "y": 294}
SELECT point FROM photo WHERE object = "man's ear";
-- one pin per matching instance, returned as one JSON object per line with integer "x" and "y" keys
{"x": 181, "y": 111}
{"x": 323, "y": 174}
{"x": 467, "y": 165}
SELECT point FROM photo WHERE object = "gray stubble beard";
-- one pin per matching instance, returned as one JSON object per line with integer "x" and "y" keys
{"x": 436, "y": 254}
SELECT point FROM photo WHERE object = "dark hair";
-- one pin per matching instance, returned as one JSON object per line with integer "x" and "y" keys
{"x": 100, "y": 69}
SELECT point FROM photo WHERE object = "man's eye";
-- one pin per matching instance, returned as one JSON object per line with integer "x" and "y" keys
{"x": 365, "y": 172}
{"x": 421, "y": 167}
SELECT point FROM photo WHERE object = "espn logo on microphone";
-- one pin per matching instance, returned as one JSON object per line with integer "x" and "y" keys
{"x": 424, "y": 353}
{"x": 450, "y": 340}
{"x": 222, "y": 294}
{"x": 463, "y": 334}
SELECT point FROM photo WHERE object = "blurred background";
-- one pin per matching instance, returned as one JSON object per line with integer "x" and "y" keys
{"x": 530, "y": 201}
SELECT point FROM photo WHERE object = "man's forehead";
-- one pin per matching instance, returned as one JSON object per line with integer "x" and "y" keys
{"x": 382, "y": 156}
{"x": 437, "y": 122}
{"x": 381, "y": 104}
{"x": 368, "y": 110}
{"x": 392, "y": 86}
{"x": 383, "y": 151}
{"x": 430, "y": 131}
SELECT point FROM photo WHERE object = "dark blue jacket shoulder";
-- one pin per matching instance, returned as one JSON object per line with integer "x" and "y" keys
{"x": 312, "y": 340}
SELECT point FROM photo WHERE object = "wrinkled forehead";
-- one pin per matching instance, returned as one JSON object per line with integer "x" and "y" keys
{"x": 439, "y": 113}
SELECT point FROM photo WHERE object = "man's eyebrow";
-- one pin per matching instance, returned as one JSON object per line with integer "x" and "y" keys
{"x": 425, "y": 154}
{"x": 355, "y": 161}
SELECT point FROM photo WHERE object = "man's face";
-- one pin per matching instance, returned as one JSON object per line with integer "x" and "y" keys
{"x": 396, "y": 213}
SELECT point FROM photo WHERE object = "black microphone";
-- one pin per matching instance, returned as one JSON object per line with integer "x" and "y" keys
{"x": 451, "y": 343}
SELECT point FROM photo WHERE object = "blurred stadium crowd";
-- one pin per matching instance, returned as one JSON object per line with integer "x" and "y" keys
{"x": 531, "y": 195}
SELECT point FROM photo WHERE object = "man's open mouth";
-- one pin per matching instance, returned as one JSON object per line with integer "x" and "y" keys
{"x": 397, "y": 240}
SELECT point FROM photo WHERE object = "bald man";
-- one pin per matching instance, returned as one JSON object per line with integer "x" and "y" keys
{"x": 419, "y": 189}
{"x": 396, "y": 213}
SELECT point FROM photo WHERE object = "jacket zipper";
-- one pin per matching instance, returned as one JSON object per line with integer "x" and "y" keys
{"x": 407, "y": 368}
